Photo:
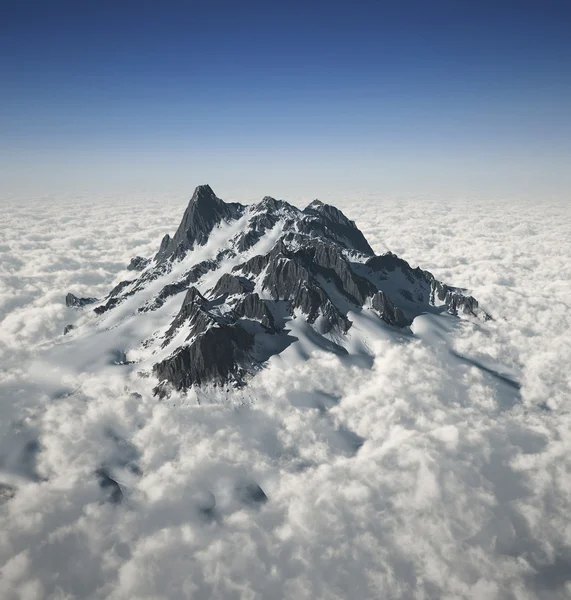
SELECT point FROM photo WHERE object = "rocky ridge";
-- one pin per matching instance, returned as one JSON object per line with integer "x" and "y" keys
{"x": 244, "y": 273}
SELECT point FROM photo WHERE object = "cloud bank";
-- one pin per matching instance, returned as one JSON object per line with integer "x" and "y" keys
{"x": 439, "y": 471}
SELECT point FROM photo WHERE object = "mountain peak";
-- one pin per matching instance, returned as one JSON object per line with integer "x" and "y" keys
{"x": 204, "y": 212}
{"x": 204, "y": 192}
{"x": 268, "y": 203}
{"x": 270, "y": 269}
{"x": 334, "y": 224}
{"x": 315, "y": 204}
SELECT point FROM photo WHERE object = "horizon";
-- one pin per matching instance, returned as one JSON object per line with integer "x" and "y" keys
{"x": 468, "y": 101}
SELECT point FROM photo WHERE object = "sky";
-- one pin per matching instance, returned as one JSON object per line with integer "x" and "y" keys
{"x": 468, "y": 99}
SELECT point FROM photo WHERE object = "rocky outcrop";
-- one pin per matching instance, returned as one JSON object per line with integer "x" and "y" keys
{"x": 219, "y": 354}
{"x": 111, "y": 303}
{"x": 203, "y": 213}
{"x": 194, "y": 312}
{"x": 172, "y": 289}
{"x": 217, "y": 344}
{"x": 138, "y": 263}
{"x": 74, "y": 301}
{"x": 265, "y": 216}
{"x": 424, "y": 289}
{"x": 455, "y": 301}
{"x": 329, "y": 222}
{"x": 229, "y": 285}
{"x": 253, "y": 307}
{"x": 388, "y": 312}
{"x": 119, "y": 288}
{"x": 279, "y": 263}
{"x": 299, "y": 277}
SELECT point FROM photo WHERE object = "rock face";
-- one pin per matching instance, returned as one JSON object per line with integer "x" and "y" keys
{"x": 138, "y": 263}
{"x": 330, "y": 222}
{"x": 71, "y": 300}
{"x": 233, "y": 278}
{"x": 388, "y": 312}
{"x": 203, "y": 213}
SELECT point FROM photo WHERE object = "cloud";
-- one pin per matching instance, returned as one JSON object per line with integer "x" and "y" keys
{"x": 425, "y": 475}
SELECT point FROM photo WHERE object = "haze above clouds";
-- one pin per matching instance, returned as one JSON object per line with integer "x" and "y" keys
{"x": 460, "y": 488}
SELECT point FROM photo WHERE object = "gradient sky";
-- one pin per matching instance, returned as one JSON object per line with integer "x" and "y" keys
{"x": 403, "y": 97}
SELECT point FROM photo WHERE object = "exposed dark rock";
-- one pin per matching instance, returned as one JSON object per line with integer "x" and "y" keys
{"x": 330, "y": 263}
{"x": 224, "y": 254}
{"x": 71, "y": 300}
{"x": 149, "y": 275}
{"x": 257, "y": 264}
{"x": 253, "y": 307}
{"x": 138, "y": 263}
{"x": 455, "y": 301}
{"x": 220, "y": 343}
{"x": 287, "y": 271}
{"x": 195, "y": 312}
{"x": 333, "y": 318}
{"x": 390, "y": 262}
{"x": 272, "y": 206}
{"x": 203, "y": 213}
{"x": 229, "y": 285}
{"x": 193, "y": 296}
{"x": 390, "y": 313}
{"x": 171, "y": 289}
{"x": 314, "y": 266}
{"x": 217, "y": 355}
{"x": 291, "y": 275}
{"x": 266, "y": 216}
{"x": 288, "y": 279}
{"x": 331, "y": 223}
{"x": 165, "y": 243}
{"x": 428, "y": 289}
{"x": 119, "y": 288}
{"x": 248, "y": 239}
{"x": 111, "y": 303}
{"x": 68, "y": 328}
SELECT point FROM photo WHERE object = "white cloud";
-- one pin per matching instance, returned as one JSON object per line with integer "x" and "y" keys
{"x": 460, "y": 488}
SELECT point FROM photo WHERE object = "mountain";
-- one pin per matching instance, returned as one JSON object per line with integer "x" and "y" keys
{"x": 236, "y": 285}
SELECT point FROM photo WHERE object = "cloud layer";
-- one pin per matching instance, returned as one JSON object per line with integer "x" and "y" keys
{"x": 423, "y": 476}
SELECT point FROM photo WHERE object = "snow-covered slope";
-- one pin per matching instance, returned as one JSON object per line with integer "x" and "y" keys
{"x": 238, "y": 284}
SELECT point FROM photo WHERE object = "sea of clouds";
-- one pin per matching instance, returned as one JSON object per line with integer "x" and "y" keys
{"x": 427, "y": 475}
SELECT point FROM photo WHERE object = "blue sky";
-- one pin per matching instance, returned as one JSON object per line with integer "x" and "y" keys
{"x": 410, "y": 97}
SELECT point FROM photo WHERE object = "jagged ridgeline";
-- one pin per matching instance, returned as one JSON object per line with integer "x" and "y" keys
{"x": 235, "y": 284}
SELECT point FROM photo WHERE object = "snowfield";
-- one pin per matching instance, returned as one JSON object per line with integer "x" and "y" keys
{"x": 439, "y": 468}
